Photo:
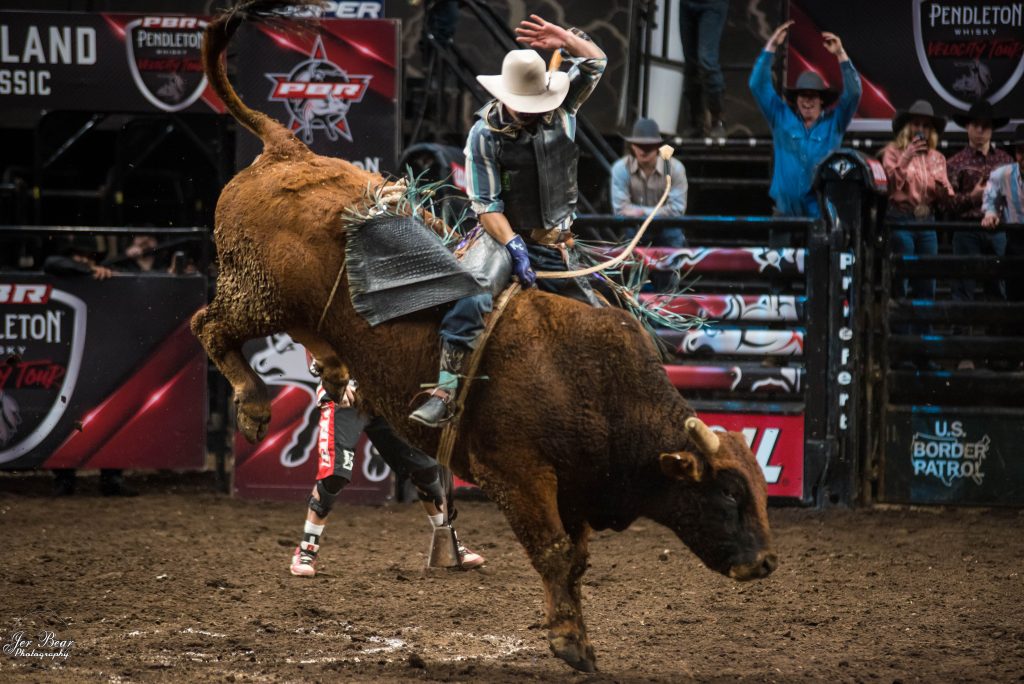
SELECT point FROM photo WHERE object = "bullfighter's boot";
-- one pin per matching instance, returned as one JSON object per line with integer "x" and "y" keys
{"x": 436, "y": 410}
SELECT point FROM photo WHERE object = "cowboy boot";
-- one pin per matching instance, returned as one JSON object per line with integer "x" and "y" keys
{"x": 436, "y": 410}
{"x": 715, "y": 108}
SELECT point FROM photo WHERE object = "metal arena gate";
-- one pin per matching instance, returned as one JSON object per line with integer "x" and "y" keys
{"x": 950, "y": 396}
{"x": 780, "y": 358}
{"x": 848, "y": 389}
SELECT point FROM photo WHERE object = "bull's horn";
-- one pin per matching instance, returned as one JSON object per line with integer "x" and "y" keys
{"x": 704, "y": 436}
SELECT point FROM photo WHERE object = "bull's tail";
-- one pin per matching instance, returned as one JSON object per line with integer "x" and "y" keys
{"x": 215, "y": 41}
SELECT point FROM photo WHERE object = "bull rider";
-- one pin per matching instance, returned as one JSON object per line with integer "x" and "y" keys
{"x": 521, "y": 159}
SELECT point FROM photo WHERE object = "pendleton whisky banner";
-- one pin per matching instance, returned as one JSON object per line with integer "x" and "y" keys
{"x": 103, "y": 62}
{"x": 949, "y": 52}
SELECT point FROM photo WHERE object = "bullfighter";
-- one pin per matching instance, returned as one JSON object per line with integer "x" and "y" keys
{"x": 521, "y": 159}
{"x": 339, "y": 429}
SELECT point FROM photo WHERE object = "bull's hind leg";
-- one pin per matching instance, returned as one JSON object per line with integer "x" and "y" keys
{"x": 528, "y": 497}
{"x": 222, "y": 338}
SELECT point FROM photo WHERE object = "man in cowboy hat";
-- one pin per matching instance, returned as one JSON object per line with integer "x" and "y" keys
{"x": 968, "y": 171}
{"x": 803, "y": 131}
{"x": 638, "y": 181}
{"x": 521, "y": 160}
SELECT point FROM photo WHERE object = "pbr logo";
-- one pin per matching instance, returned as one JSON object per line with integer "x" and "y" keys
{"x": 165, "y": 58}
{"x": 970, "y": 51}
{"x": 42, "y": 337}
{"x": 318, "y": 94}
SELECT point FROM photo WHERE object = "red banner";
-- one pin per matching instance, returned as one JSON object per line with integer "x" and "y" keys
{"x": 778, "y": 445}
{"x": 93, "y": 374}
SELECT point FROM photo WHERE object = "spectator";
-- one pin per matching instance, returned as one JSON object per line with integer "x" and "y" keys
{"x": 968, "y": 171}
{"x": 78, "y": 258}
{"x": 1003, "y": 199}
{"x": 1003, "y": 202}
{"x": 440, "y": 21}
{"x": 143, "y": 255}
{"x": 638, "y": 181}
{"x": 803, "y": 131}
{"x": 917, "y": 186}
{"x": 700, "y": 27}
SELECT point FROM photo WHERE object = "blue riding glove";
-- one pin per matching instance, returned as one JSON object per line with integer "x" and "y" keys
{"x": 521, "y": 262}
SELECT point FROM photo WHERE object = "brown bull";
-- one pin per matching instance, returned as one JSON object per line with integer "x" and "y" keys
{"x": 577, "y": 427}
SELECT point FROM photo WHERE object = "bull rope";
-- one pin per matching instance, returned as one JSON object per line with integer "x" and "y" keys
{"x": 450, "y": 432}
{"x": 330, "y": 299}
{"x": 665, "y": 152}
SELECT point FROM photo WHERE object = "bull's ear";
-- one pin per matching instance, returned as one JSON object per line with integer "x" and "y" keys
{"x": 682, "y": 465}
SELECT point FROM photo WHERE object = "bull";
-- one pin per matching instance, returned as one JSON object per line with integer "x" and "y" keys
{"x": 577, "y": 427}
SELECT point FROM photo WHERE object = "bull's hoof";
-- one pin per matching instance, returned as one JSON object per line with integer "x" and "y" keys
{"x": 335, "y": 391}
{"x": 578, "y": 655}
{"x": 334, "y": 380}
{"x": 252, "y": 422}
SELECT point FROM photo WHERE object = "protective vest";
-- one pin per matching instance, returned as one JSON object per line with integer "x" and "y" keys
{"x": 538, "y": 177}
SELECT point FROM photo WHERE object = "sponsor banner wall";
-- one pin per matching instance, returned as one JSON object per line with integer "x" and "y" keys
{"x": 103, "y": 62}
{"x": 101, "y": 374}
{"x": 335, "y": 86}
{"x": 283, "y": 466}
{"x": 778, "y": 445}
{"x": 949, "y": 52}
{"x": 954, "y": 457}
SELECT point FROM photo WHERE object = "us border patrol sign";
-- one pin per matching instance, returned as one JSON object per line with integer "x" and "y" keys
{"x": 954, "y": 457}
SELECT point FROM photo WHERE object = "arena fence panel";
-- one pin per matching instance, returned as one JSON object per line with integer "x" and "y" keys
{"x": 950, "y": 403}
{"x": 102, "y": 373}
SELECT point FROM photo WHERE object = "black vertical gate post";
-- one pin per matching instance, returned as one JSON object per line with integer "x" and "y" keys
{"x": 819, "y": 449}
{"x": 848, "y": 185}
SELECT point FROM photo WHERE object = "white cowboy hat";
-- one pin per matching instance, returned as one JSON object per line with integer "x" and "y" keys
{"x": 525, "y": 84}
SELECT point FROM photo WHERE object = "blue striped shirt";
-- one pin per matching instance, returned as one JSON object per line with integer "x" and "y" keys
{"x": 1004, "y": 194}
{"x": 483, "y": 176}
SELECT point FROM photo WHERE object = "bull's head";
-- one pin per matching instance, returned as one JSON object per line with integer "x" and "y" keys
{"x": 717, "y": 503}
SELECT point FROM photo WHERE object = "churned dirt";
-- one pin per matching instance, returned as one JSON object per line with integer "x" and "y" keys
{"x": 184, "y": 584}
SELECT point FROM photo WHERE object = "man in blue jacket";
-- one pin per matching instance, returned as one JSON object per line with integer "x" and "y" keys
{"x": 803, "y": 131}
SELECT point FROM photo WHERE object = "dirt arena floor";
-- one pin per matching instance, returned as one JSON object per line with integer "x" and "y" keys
{"x": 186, "y": 585}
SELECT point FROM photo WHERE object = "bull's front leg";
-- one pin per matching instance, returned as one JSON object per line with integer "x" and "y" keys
{"x": 252, "y": 402}
{"x": 333, "y": 372}
{"x": 528, "y": 497}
